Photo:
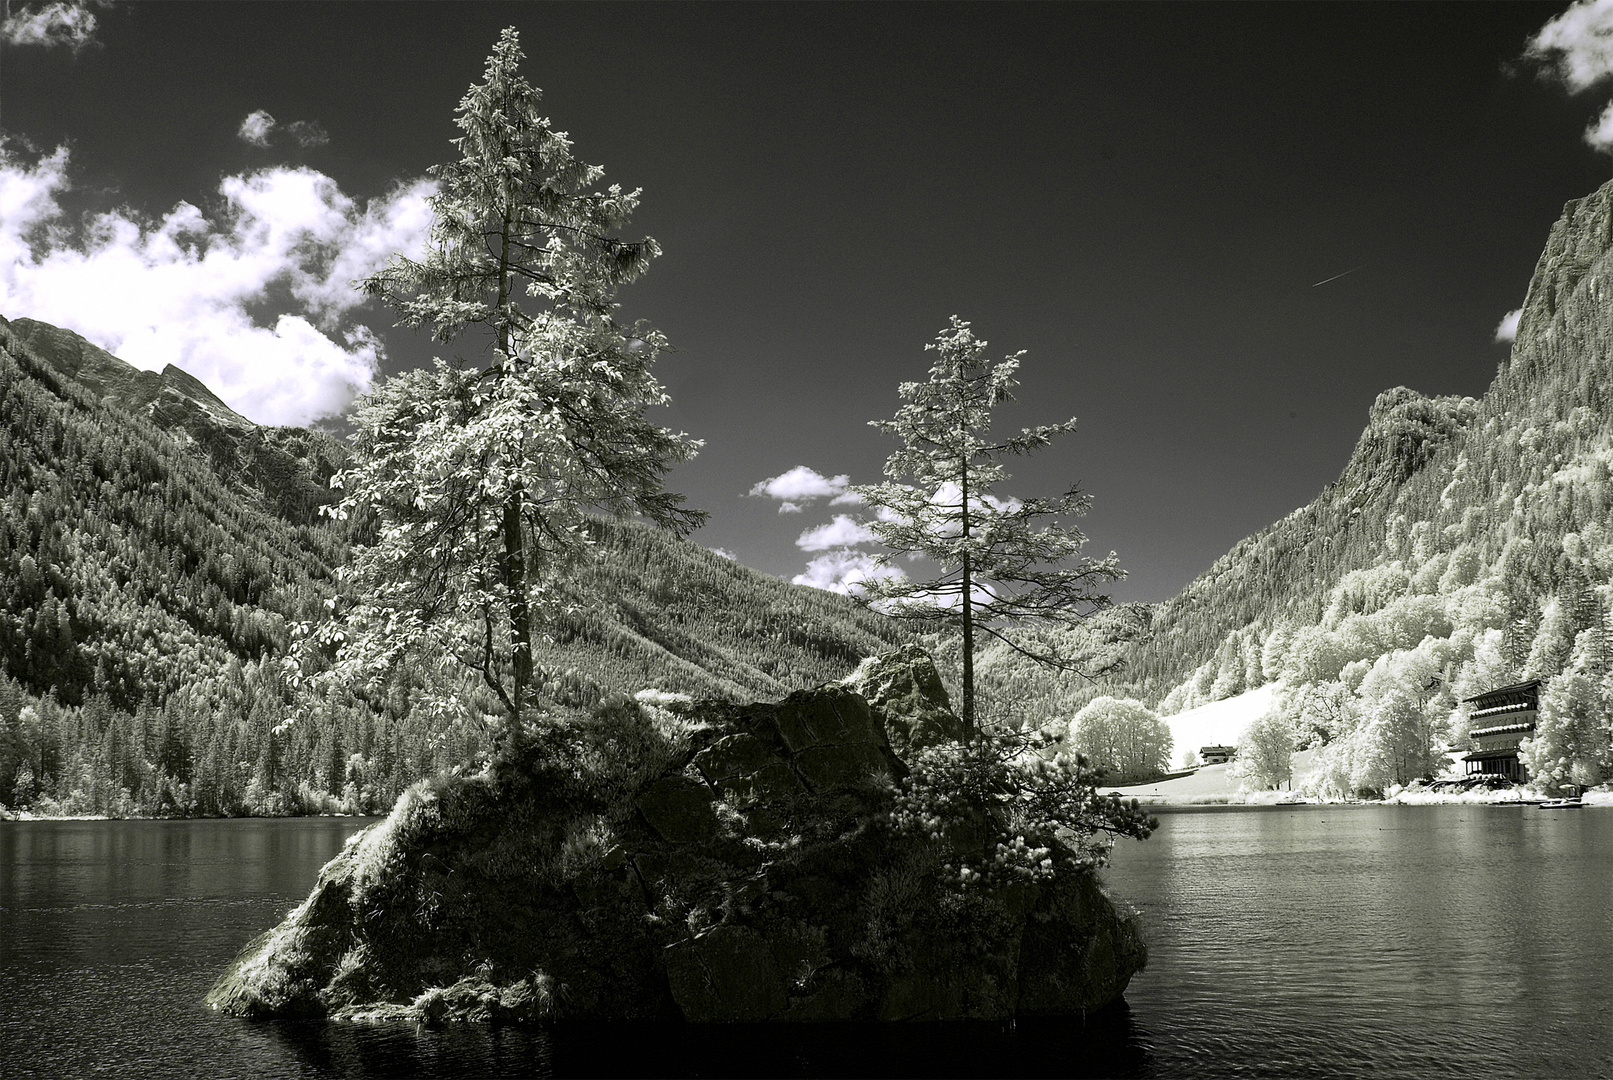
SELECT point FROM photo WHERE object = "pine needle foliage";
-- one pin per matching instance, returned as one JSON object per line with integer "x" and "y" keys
{"x": 1004, "y": 563}
{"x": 482, "y": 477}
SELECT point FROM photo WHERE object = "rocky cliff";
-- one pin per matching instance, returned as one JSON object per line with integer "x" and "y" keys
{"x": 708, "y": 862}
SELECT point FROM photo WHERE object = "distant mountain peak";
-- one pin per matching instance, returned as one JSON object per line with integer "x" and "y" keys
{"x": 170, "y": 398}
{"x": 283, "y": 468}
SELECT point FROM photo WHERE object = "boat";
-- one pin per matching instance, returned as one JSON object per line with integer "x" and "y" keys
{"x": 1561, "y": 804}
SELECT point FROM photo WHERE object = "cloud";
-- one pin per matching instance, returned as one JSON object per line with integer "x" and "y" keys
{"x": 308, "y": 133}
{"x": 1507, "y": 329}
{"x": 255, "y": 128}
{"x": 800, "y": 485}
{"x": 789, "y": 508}
{"x": 256, "y": 302}
{"x": 1576, "y": 46}
{"x": 1599, "y": 132}
{"x": 1576, "y": 49}
{"x": 47, "y": 25}
{"x": 258, "y": 129}
{"x": 843, "y": 571}
{"x": 724, "y": 552}
{"x": 842, "y": 532}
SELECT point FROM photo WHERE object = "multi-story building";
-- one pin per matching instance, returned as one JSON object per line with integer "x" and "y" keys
{"x": 1502, "y": 719}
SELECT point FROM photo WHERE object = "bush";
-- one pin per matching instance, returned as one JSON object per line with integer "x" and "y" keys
{"x": 1008, "y": 813}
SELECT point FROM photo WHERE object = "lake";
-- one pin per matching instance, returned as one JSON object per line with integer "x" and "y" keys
{"x": 1306, "y": 941}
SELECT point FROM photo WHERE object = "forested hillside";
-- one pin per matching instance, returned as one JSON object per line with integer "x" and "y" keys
{"x": 156, "y": 550}
{"x": 1466, "y": 545}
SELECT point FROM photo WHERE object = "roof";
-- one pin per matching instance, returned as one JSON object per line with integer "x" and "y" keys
{"x": 1522, "y": 687}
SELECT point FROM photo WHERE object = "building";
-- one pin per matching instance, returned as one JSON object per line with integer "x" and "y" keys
{"x": 1217, "y": 755}
{"x": 1502, "y": 719}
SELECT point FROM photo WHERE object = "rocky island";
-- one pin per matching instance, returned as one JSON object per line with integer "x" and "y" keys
{"x": 705, "y": 861}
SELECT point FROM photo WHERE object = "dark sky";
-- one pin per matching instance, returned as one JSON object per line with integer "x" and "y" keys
{"x": 1141, "y": 196}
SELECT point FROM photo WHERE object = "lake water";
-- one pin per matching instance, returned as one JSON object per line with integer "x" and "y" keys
{"x": 1309, "y": 941}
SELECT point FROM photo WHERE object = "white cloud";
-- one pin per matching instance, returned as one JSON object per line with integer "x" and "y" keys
{"x": 789, "y": 508}
{"x": 1507, "y": 329}
{"x": 1599, "y": 132}
{"x": 843, "y": 571}
{"x": 946, "y": 499}
{"x": 62, "y": 23}
{"x": 724, "y": 552}
{"x": 308, "y": 133}
{"x": 255, "y": 128}
{"x": 259, "y": 127}
{"x": 1577, "y": 46}
{"x": 191, "y": 291}
{"x": 842, "y": 532}
{"x": 802, "y": 484}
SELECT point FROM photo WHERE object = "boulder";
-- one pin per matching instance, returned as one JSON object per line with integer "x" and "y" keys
{"x": 906, "y": 691}
{"x": 725, "y": 863}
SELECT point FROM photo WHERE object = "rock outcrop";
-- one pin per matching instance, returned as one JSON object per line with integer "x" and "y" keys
{"x": 710, "y": 862}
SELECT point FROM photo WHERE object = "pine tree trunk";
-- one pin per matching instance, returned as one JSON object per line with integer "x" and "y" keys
{"x": 514, "y": 545}
{"x": 968, "y": 658}
{"x": 520, "y": 610}
{"x": 967, "y": 600}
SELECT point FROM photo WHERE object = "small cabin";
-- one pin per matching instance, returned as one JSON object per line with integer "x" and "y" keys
{"x": 1217, "y": 755}
{"x": 1502, "y": 719}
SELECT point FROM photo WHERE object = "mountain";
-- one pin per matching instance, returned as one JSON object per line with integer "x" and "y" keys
{"x": 157, "y": 548}
{"x": 1466, "y": 544}
{"x": 284, "y": 469}
{"x": 127, "y": 563}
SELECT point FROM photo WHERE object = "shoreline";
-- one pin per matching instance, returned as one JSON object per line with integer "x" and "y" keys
{"x": 1284, "y": 800}
{"x": 8, "y": 815}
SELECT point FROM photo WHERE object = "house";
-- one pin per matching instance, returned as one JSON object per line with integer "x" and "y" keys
{"x": 1217, "y": 755}
{"x": 1503, "y": 718}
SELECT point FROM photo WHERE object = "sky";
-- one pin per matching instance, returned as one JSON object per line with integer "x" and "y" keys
{"x": 1217, "y": 231}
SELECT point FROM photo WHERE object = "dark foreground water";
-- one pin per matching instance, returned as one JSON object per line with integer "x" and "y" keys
{"x": 1315, "y": 941}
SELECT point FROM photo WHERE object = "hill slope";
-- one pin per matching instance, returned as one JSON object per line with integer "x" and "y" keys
{"x": 1465, "y": 545}
{"x": 155, "y": 548}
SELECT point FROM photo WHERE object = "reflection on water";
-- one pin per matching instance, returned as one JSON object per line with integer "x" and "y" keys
{"x": 1317, "y": 941}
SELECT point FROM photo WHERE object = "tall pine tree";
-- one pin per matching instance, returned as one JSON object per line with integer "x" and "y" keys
{"x": 1004, "y": 563}
{"x": 481, "y": 475}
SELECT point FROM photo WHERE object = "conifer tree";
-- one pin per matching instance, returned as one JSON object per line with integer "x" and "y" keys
{"x": 1003, "y": 563}
{"x": 480, "y": 474}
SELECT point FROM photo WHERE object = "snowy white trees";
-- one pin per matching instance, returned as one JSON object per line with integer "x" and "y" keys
{"x": 1003, "y": 562}
{"x": 480, "y": 474}
{"x": 1266, "y": 751}
{"x": 1123, "y": 736}
{"x": 1572, "y": 743}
